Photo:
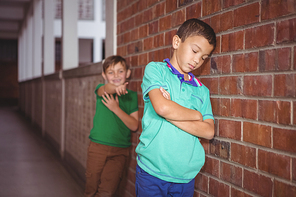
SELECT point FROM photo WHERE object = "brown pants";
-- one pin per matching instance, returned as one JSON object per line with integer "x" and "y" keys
{"x": 104, "y": 169}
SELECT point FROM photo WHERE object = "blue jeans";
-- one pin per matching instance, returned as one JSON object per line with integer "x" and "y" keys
{"x": 148, "y": 186}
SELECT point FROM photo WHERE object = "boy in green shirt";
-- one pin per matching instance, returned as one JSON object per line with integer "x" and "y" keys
{"x": 177, "y": 112}
{"x": 116, "y": 115}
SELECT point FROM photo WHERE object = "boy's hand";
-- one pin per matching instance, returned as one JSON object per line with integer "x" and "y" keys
{"x": 165, "y": 93}
{"x": 121, "y": 90}
{"x": 110, "y": 102}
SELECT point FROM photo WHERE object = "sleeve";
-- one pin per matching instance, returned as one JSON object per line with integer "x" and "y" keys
{"x": 207, "y": 112}
{"x": 152, "y": 79}
{"x": 134, "y": 103}
{"x": 96, "y": 90}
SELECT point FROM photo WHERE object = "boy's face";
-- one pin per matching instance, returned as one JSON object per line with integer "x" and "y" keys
{"x": 116, "y": 74}
{"x": 190, "y": 54}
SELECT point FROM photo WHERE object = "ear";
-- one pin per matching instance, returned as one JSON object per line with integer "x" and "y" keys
{"x": 128, "y": 73}
{"x": 104, "y": 76}
{"x": 176, "y": 41}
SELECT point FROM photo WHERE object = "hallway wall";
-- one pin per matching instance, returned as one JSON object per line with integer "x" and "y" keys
{"x": 65, "y": 113}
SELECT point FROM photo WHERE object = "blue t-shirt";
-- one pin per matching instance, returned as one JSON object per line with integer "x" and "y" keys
{"x": 164, "y": 150}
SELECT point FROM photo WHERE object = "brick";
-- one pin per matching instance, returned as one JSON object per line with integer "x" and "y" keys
{"x": 209, "y": 7}
{"x": 143, "y": 59}
{"x": 211, "y": 84}
{"x": 294, "y": 112}
{"x": 230, "y": 129}
{"x": 216, "y": 106}
{"x": 122, "y": 50}
{"x": 267, "y": 111}
{"x": 233, "y": 41}
{"x": 294, "y": 58}
{"x": 201, "y": 182}
{"x": 211, "y": 166}
{"x": 225, "y": 107}
{"x": 231, "y": 173}
{"x": 244, "y": 108}
{"x": 284, "y": 85}
{"x": 247, "y": 62}
{"x": 205, "y": 144}
{"x": 165, "y": 23}
{"x": 121, "y": 4}
{"x": 252, "y": 180}
{"x": 138, "y": 19}
{"x": 148, "y": 43}
{"x": 133, "y": 84}
{"x": 230, "y": 85}
{"x": 134, "y": 35}
{"x": 284, "y": 139}
{"x": 138, "y": 74}
{"x": 142, "y": 5}
{"x": 147, "y": 15}
{"x": 259, "y": 36}
{"x": 171, "y": 6}
{"x": 159, "y": 40}
{"x": 158, "y": 55}
{"x": 276, "y": 59}
{"x": 178, "y": 17}
{"x": 217, "y": 188}
{"x": 277, "y": 8}
{"x": 158, "y": 10}
{"x": 229, "y": 3}
{"x": 151, "y": 2}
{"x": 284, "y": 59}
{"x": 169, "y": 37}
{"x": 238, "y": 193}
{"x": 226, "y": 21}
{"x": 143, "y": 31}
{"x": 273, "y": 163}
{"x": 257, "y": 134}
{"x": 134, "y": 61}
{"x": 218, "y": 45}
{"x": 134, "y": 47}
{"x": 220, "y": 149}
{"x": 283, "y": 112}
{"x": 220, "y": 64}
{"x": 246, "y": 15}
{"x": 294, "y": 169}
{"x": 193, "y": 11}
{"x": 153, "y": 27}
{"x": 283, "y": 189}
{"x": 222, "y": 22}
{"x": 243, "y": 154}
{"x": 184, "y": 2}
{"x": 258, "y": 85}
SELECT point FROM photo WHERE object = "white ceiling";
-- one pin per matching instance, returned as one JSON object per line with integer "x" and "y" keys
{"x": 12, "y": 14}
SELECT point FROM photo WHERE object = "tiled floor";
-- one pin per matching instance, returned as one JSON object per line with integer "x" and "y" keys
{"x": 28, "y": 167}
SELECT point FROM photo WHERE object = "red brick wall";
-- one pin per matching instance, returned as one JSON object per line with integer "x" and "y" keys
{"x": 252, "y": 80}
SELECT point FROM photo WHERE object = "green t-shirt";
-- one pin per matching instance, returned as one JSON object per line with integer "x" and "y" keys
{"x": 108, "y": 129}
{"x": 164, "y": 150}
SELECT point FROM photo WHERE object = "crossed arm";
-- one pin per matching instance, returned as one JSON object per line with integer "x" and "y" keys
{"x": 189, "y": 120}
{"x": 106, "y": 91}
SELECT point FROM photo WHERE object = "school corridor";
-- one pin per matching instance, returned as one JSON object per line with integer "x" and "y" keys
{"x": 29, "y": 167}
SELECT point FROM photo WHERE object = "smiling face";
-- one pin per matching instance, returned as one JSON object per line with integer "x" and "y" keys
{"x": 116, "y": 74}
{"x": 190, "y": 54}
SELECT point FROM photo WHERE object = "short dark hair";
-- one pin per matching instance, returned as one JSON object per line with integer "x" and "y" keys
{"x": 196, "y": 27}
{"x": 112, "y": 60}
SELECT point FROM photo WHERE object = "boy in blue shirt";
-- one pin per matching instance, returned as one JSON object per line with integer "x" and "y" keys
{"x": 177, "y": 112}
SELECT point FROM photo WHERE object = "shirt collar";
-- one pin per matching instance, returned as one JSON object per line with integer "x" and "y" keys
{"x": 181, "y": 76}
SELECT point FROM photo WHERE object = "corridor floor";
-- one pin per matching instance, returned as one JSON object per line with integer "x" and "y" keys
{"x": 28, "y": 166}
